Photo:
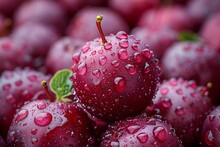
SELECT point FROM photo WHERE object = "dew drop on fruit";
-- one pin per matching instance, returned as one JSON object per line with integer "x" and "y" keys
{"x": 34, "y": 131}
{"x": 132, "y": 129}
{"x": 102, "y": 60}
{"x": 32, "y": 78}
{"x": 41, "y": 105}
{"x": 115, "y": 63}
{"x": 105, "y": 71}
{"x": 123, "y": 54}
{"x": 130, "y": 69}
{"x": 173, "y": 82}
{"x": 122, "y": 35}
{"x": 91, "y": 140}
{"x": 86, "y": 87}
{"x": 34, "y": 140}
{"x": 123, "y": 43}
{"x": 137, "y": 57}
{"x": 159, "y": 133}
{"x": 135, "y": 47}
{"x": 211, "y": 117}
{"x": 146, "y": 68}
{"x": 85, "y": 48}
{"x": 96, "y": 73}
{"x": 142, "y": 137}
{"x": 10, "y": 99}
{"x": 107, "y": 46}
{"x": 43, "y": 119}
{"x": 120, "y": 84}
{"x": 185, "y": 99}
{"x": 114, "y": 143}
{"x": 209, "y": 139}
{"x": 163, "y": 91}
{"x": 18, "y": 82}
{"x": 75, "y": 58}
{"x": 179, "y": 91}
{"x": 6, "y": 87}
{"x": 22, "y": 114}
{"x": 146, "y": 53}
{"x": 151, "y": 121}
{"x": 100, "y": 51}
{"x": 166, "y": 103}
{"x": 179, "y": 110}
{"x": 82, "y": 69}
{"x": 26, "y": 95}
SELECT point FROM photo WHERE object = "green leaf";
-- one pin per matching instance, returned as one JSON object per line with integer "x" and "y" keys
{"x": 61, "y": 84}
{"x": 188, "y": 36}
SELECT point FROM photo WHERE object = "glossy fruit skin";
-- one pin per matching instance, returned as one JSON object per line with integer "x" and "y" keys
{"x": 181, "y": 103}
{"x": 82, "y": 25}
{"x": 16, "y": 87}
{"x": 117, "y": 79}
{"x": 211, "y": 130}
{"x": 42, "y": 123}
{"x": 63, "y": 49}
{"x": 140, "y": 132}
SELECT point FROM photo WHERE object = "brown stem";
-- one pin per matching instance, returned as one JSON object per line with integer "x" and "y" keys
{"x": 206, "y": 89}
{"x": 98, "y": 24}
{"x": 44, "y": 84}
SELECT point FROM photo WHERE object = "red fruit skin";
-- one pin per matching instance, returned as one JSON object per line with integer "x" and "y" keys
{"x": 42, "y": 123}
{"x": 181, "y": 103}
{"x": 165, "y": 16}
{"x": 114, "y": 81}
{"x": 82, "y": 25}
{"x": 63, "y": 49}
{"x": 138, "y": 132}
{"x": 211, "y": 129}
{"x": 10, "y": 50}
{"x": 16, "y": 87}
{"x": 159, "y": 39}
{"x": 41, "y": 11}
{"x": 132, "y": 10}
{"x": 2, "y": 142}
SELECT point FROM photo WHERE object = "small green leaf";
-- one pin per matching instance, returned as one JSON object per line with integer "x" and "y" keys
{"x": 60, "y": 83}
{"x": 188, "y": 36}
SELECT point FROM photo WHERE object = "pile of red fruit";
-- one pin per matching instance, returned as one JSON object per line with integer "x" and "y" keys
{"x": 109, "y": 73}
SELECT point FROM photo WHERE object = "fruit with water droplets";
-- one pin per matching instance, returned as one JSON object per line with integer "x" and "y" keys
{"x": 115, "y": 76}
{"x": 17, "y": 87}
{"x": 140, "y": 131}
{"x": 211, "y": 129}
{"x": 184, "y": 105}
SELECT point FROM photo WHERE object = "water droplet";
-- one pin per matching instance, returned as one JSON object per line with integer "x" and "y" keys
{"x": 209, "y": 138}
{"x": 93, "y": 52}
{"x": 122, "y": 35}
{"x": 34, "y": 140}
{"x": 124, "y": 43}
{"x": 115, "y": 63}
{"x": 18, "y": 83}
{"x": 166, "y": 103}
{"x": 105, "y": 71}
{"x": 102, "y": 60}
{"x": 100, "y": 51}
{"x": 96, "y": 73}
{"x": 26, "y": 95}
{"x": 32, "y": 78}
{"x": 22, "y": 114}
{"x": 82, "y": 69}
{"x": 163, "y": 91}
{"x": 11, "y": 99}
{"x": 86, "y": 87}
{"x": 146, "y": 68}
{"x": 76, "y": 58}
{"x": 137, "y": 57}
{"x": 132, "y": 129}
{"x": 131, "y": 69}
{"x": 173, "y": 82}
{"x": 41, "y": 105}
{"x": 142, "y": 137}
{"x": 85, "y": 48}
{"x": 123, "y": 54}
{"x": 43, "y": 119}
{"x": 185, "y": 99}
{"x": 135, "y": 47}
{"x": 179, "y": 110}
{"x": 6, "y": 87}
{"x": 179, "y": 91}
{"x": 34, "y": 131}
{"x": 120, "y": 84}
{"x": 211, "y": 117}
{"x": 159, "y": 133}
{"x": 107, "y": 46}
{"x": 91, "y": 140}
{"x": 146, "y": 53}
{"x": 151, "y": 121}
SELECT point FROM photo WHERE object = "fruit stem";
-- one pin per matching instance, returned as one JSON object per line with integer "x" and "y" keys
{"x": 44, "y": 84}
{"x": 98, "y": 24}
{"x": 206, "y": 89}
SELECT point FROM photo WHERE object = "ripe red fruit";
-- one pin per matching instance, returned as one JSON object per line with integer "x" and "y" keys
{"x": 63, "y": 49}
{"x": 138, "y": 132}
{"x": 82, "y": 25}
{"x": 211, "y": 129}
{"x": 43, "y": 123}
{"x": 115, "y": 77}
{"x": 16, "y": 87}
{"x": 165, "y": 16}
{"x": 184, "y": 105}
